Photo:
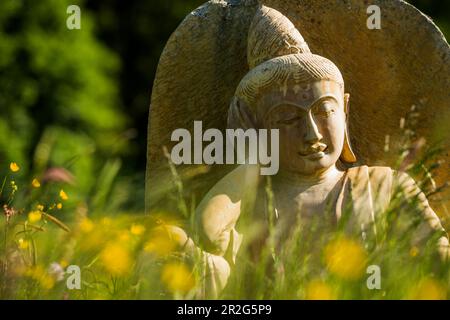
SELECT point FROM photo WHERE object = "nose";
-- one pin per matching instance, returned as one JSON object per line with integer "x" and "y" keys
{"x": 312, "y": 133}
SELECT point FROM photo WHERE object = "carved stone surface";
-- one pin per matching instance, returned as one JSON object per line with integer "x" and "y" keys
{"x": 386, "y": 71}
{"x": 292, "y": 87}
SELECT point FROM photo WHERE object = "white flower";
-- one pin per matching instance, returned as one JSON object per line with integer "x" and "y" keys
{"x": 56, "y": 271}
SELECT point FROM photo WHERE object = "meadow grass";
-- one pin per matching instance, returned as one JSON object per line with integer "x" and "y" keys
{"x": 130, "y": 255}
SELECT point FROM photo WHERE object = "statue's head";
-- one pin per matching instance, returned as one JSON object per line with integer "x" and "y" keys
{"x": 290, "y": 89}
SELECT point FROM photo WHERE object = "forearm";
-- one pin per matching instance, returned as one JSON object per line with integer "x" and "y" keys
{"x": 214, "y": 276}
{"x": 214, "y": 270}
{"x": 220, "y": 209}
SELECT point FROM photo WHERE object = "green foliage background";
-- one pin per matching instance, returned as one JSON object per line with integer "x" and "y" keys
{"x": 79, "y": 99}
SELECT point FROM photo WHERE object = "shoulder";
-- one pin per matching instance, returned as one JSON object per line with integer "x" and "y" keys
{"x": 384, "y": 179}
{"x": 398, "y": 184}
{"x": 407, "y": 186}
{"x": 373, "y": 170}
{"x": 375, "y": 175}
{"x": 241, "y": 179}
{"x": 375, "y": 182}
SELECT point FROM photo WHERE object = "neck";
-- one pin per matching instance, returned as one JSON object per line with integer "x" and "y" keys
{"x": 319, "y": 177}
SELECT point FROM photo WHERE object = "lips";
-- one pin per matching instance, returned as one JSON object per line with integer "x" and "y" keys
{"x": 316, "y": 156}
{"x": 316, "y": 151}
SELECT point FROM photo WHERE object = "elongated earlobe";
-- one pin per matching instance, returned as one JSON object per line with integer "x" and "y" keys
{"x": 240, "y": 116}
{"x": 347, "y": 154}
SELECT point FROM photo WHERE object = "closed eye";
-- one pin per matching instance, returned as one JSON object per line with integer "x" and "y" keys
{"x": 324, "y": 110}
{"x": 289, "y": 121}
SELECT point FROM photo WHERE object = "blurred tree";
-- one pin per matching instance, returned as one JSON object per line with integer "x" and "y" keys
{"x": 58, "y": 92}
{"x": 138, "y": 31}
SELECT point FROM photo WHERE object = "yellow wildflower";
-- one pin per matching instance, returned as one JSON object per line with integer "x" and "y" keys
{"x": 23, "y": 244}
{"x": 116, "y": 259}
{"x": 93, "y": 240}
{"x": 166, "y": 239}
{"x": 63, "y": 195}
{"x": 107, "y": 222}
{"x": 319, "y": 290}
{"x": 59, "y": 206}
{"x": 137, "y": 229}
{"x": 86, "y": 225}
{"x": 414, "y": 251}
{"x": 35, "y": 183}
{"x": 40, "y": 207}
{"x": 39, "y": 274}
{"x": 34, "y": 216}
{"x": 124, "y": 236}
{"x": 160, "y": 245}
{"x": 34, "y": 272}
{"x": 177, "y": 277}
{"x": 428, "y": 289}
{"x": 346, "y": 258}
{"x": 47, "y": 282}
{"x": 63, "y": 263}
{"x": 14, "y": 167}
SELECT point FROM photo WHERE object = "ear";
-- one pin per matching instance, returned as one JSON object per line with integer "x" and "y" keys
{"x": 239, "y": 115}
{"x": 347, "y": 154}
{"x": 346, "y": 103}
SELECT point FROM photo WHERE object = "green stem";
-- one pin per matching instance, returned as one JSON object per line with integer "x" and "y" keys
{"x": 5, "y": 261}
{"x": 3, "y": 185}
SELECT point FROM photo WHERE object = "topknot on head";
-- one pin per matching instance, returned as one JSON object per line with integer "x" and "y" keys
{"x": 272, "y": 35}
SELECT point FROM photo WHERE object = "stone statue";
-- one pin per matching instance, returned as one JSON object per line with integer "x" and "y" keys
{"x": 206, "y": 57}
{"x": 303, "y": 95}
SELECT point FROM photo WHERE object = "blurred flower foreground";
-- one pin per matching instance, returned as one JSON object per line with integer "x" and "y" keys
{"x": 71, "y": 193}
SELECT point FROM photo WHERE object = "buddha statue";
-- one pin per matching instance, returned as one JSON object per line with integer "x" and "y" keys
{"x": 303, "y": 96}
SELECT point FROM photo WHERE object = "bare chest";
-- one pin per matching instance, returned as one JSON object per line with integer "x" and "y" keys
{"x": 316, "y": 202}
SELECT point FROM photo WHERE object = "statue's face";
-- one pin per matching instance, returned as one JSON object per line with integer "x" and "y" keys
{"x": 311, "y": 123}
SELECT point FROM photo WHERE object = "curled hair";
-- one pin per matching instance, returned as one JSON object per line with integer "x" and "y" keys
{"x": 276, "y": 54}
